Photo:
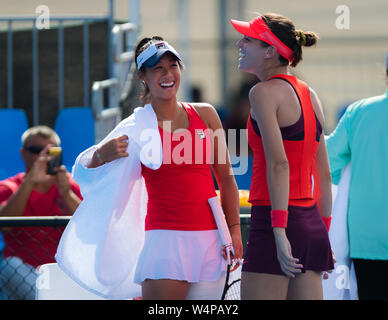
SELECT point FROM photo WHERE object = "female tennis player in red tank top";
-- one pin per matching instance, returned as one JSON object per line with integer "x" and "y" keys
{"x": 288, "y": 247}
{"x": 182, "y": 246}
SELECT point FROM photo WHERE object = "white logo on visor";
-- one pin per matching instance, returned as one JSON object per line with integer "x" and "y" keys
{"x": 151, "y": 50}
{"x": 160, "y": 45}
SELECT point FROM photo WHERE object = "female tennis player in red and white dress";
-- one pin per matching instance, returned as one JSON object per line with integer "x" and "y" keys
{"x": 182, "y": 254}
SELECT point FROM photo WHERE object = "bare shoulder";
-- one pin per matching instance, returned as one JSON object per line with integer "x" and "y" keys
{"x": 260, "y": 88}
{"x": 203, "y": 107}
{"x": 272, "y": 90}
{"x": 208, "y": 114}
{"x": 264, "y": 97}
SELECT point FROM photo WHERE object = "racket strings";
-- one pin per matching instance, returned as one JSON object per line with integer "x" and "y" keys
{"x": 233, "y": 290}
{"x": 232, "y": 286}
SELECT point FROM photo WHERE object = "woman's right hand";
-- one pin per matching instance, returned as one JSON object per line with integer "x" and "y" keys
{"x": 288, "y": 263}
{"x": 111, "y": 150}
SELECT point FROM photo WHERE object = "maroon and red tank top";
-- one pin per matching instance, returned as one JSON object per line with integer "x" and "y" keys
{"x": 300, "y": 142}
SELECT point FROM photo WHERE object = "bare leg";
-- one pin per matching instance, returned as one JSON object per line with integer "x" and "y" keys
{"x": 263, "y": 286}
{"x": 306, "y": 286}
{"x": 164, "y": 289}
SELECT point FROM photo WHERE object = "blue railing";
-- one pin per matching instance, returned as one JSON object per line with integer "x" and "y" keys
{"x": 117, "y": 83}
{"x": 60, "y": 20}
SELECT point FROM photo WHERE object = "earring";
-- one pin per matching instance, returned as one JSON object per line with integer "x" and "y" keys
{"x": 271, "y": 50}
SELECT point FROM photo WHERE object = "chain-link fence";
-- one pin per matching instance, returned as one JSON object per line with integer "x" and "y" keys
{"x": 32, "y": 241}
{"x": 29, "y": 242}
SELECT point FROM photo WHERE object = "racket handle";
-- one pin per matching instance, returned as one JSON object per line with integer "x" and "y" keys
{"x": 228, "y": 259}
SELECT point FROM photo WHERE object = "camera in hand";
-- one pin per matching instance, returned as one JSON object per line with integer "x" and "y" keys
{"x": 56, "y": 152}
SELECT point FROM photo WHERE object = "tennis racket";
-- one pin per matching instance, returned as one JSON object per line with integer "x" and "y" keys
{"x": 232, "y": 284}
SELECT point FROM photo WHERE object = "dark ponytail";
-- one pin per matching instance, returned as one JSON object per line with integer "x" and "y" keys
{"x": 284, "y": 29}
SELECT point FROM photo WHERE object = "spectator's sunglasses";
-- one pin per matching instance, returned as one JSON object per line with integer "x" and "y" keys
{"x": 33, "y": 149}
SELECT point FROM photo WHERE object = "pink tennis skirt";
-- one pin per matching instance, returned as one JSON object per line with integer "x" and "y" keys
{"x": 191, "y": 256}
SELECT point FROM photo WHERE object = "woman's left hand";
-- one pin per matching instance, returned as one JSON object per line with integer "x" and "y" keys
{"x": 289, "y": 265}
{"x": 235, "y": 234}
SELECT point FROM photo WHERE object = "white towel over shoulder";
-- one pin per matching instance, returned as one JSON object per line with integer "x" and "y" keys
{"x": 101, "y": 244}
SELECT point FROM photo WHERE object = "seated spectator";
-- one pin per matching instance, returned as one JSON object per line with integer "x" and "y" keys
{"x": 33, "y": 193}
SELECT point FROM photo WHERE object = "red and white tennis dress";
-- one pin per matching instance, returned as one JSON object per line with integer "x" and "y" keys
{"x": 181, "y": 241}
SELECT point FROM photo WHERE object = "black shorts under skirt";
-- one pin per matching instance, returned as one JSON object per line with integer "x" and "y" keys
{"x": 305, "y": 231}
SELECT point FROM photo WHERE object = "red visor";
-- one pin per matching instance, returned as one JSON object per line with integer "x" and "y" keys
{"x": 258, "y": 29}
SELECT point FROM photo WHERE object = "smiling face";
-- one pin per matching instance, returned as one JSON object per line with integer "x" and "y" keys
{"x": 163, "y": 79}
{"x": 251, "y": 55}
